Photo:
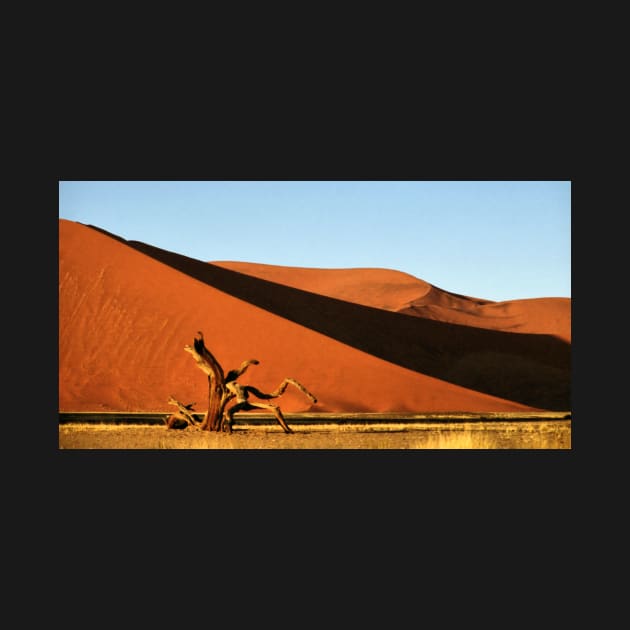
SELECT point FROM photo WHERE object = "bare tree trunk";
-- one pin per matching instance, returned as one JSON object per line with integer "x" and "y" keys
{"x": 216, "y": 394}
{"x": 208, "y": 364}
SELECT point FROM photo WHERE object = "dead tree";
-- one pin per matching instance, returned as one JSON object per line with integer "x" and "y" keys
{"x": 223, "y": 388}
{"x": 182, "y": 418}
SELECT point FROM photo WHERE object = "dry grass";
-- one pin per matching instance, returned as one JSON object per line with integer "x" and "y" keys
{"x": 496, "y": 434}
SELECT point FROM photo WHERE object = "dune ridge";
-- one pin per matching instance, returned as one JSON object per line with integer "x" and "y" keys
{"x": 127, "y": 309}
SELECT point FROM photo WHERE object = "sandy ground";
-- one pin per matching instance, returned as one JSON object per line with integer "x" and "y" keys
{"x": 546, "y": 434}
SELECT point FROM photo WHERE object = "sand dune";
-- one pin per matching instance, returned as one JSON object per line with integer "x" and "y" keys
{"x": 403, "y": 293}
{"x": 548, "y": 316}
{"x": 126, "y": 310}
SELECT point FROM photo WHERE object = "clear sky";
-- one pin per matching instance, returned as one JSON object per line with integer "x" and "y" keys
{"x": 495, "y": 240}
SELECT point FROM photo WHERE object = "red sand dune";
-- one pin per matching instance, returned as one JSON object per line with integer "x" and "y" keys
{"x": 402, "y": 293}
{"x": 127, "y": 309}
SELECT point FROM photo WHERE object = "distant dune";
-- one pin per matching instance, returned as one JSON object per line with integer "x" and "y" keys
{"x": 402, "y": 293}
{"x": 363, "y": 340}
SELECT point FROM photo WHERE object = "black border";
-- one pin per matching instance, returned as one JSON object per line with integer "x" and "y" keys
{"x": 455, "y": 144}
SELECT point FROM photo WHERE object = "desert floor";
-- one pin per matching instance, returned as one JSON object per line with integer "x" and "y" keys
{"x": 539, "y": 434}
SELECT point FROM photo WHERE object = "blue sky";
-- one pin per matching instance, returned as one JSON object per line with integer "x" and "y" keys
{"x": 494, "y": 240}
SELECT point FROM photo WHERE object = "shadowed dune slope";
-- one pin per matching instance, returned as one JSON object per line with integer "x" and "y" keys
{"x": 386, "y": 361}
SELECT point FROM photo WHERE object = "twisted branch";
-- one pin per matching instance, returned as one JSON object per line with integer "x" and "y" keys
{"x": 182, "y": 413}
